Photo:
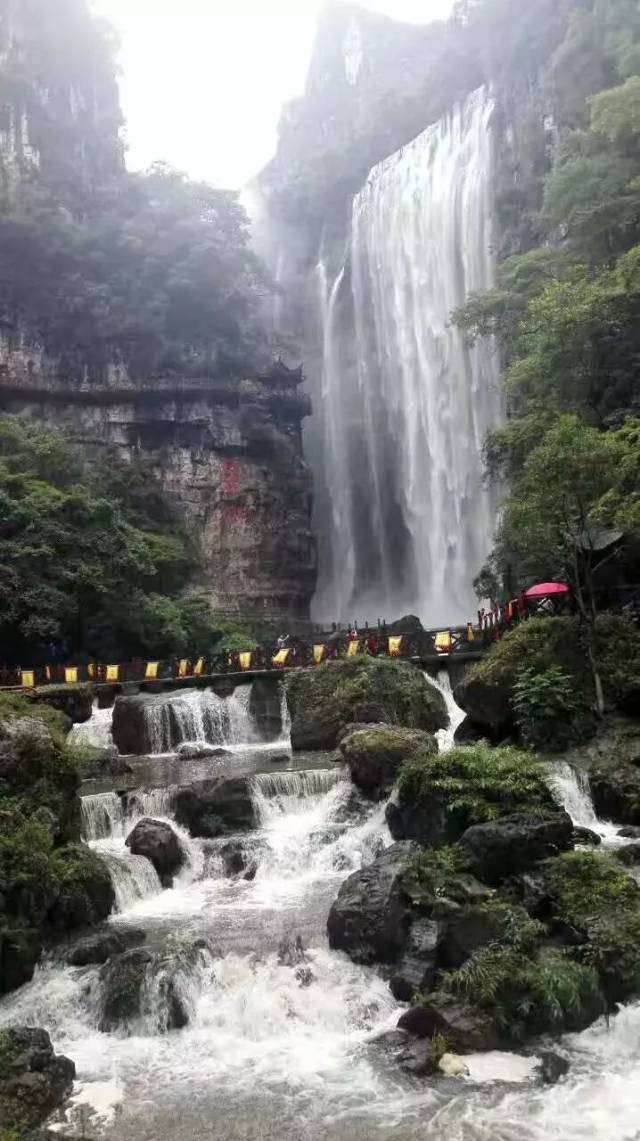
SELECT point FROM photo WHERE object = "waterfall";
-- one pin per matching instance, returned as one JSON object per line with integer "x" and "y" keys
{"x": 199, "y": 717}
{"x": 96, "y": 731}
{"x": 133, "y": 877}
{"x": 285, "y": 717}
{"x": 571, "y": 789}
{"x": 402, "y": 426}
{"x": 105, "y": 815}
{"x": 279, "y": 794}
{"x": 446, "y": 737}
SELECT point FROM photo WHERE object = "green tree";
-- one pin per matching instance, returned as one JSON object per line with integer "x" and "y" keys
{"x": 548, "y": 527}
{"x": 92, "y": 554}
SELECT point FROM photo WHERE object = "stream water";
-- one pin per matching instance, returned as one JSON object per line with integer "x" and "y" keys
{"x": 281, "y": 1043}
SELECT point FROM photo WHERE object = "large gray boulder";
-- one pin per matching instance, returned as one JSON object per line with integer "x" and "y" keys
{"x": 157, "y": 841}
{"x": 324, "y": 701}
{"x": 216, "y": 807}
{"x": 371, "y": 917}
{"x": 504, "y": 847}
{"x": 375, "y": 753}
{"x": 33, "y": 1080}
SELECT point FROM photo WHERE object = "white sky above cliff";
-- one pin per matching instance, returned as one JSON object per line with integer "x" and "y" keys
{"x": 203, "y": 81}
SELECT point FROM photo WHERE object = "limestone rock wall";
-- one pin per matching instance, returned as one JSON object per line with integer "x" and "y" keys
{"x": 228, "y": 452}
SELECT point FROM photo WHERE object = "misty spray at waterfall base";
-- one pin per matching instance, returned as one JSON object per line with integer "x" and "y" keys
{"x": 402, "y": 405}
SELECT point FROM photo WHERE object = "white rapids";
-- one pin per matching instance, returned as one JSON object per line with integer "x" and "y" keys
{"x": 281, "y": 1040}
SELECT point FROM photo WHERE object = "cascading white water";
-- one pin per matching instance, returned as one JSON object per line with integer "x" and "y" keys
{"x": 105, "y": 815}
{"x": 96, "y": 731}
{"x": 289, "y": 792}
{"x": 197, "y": 717}
{"x": 107, "y": 819}
{"x": 446, "y": 737}
{"x": 571, "y": 789}
{"x": 402, "y": 427}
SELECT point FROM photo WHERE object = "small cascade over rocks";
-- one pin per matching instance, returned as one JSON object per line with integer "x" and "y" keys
{"x": 289, "y": 792}
{"x": 446, "y": 737}
{"x": 133, "y": 877}
{"x": 105, "y": 815}
{"x": 571, "y": 789}
{"x": 158, "y": 724}
{"x": 96, "y": 731}
{"x": 107, "y": 821}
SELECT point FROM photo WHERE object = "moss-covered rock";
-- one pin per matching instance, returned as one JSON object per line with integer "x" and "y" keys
{"x": 33, "y": 1080}
{"x": 486, "y": 693}
{"x": 74, "y": 701}
{"x": 324, "y": 701}
{"x": 601, "y": 902}
{"x": 375, "y": 754}
{"x": 49, "y": 882}
{"x": 440, "y": 796}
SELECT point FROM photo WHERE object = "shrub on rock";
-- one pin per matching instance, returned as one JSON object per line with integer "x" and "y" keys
{"x": 542, "y": 644}
{"x": 440, "y": 796}
{"x": 360, "y": 691}
{"x": 375, "y": 753}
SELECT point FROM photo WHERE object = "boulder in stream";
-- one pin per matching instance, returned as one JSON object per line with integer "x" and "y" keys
{"x": 466, "y": 1029}
{"x": 362, "y": 690}
{"x": 375, "y": 753}
{"x": 216, "y": 807}
{"x": 157, "y": 841}
{"x": 33, "y": 1080}
{"x": 198, "y": 750}
{"x": 371, "y": 917}
{"x": 504, "y": 847}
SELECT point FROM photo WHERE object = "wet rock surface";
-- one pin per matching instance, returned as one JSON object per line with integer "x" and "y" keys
{"x": 217, "y": 807}
{"x": 371, "y": 917}
{"x": 375, "y": 753}
{"x": 100, "y": 946}
{"x": 512, "y": 843}
{"x": 157, "y": 841}
{"x": 33, "y": 1079}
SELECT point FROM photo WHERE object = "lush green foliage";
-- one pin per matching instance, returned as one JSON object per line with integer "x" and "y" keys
{"x": 544, "y": 645}
{"x": 478, "y": 783}
{"x": 92, "y": 555}
{"x": 150, "y": 270}
{"x": 48, "y": 880}
{"x": 592, "y": 892}
{"x": 550, "y": 712}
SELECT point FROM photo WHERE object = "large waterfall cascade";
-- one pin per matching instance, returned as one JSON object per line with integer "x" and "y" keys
{"x": 403, "y": 518}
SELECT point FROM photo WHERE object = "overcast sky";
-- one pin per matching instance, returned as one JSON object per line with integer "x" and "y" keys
{"x": 203, "y": 81}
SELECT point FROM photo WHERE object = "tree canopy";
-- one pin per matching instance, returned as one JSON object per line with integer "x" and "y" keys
{"x": 92, "y": 557}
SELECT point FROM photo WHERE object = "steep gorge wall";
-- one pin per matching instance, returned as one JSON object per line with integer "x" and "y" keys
{"x": 229, "y": 454}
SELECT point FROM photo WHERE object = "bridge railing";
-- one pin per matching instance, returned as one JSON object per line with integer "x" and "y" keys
{"x": 419, "y": 645}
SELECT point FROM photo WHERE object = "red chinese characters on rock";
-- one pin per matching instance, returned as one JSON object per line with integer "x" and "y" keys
{"x": 233, "y": 477}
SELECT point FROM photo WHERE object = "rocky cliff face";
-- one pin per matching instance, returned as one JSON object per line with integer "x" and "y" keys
{"x": 227, "y": 450}
{"x": 228, "y": 453}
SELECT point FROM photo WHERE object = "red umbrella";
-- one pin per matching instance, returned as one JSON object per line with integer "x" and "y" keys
{"x": 546, "y": 589}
